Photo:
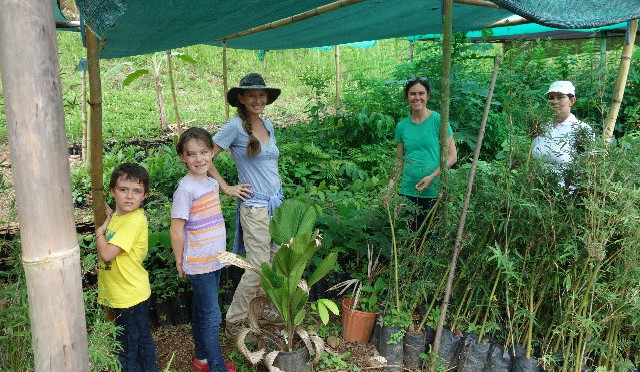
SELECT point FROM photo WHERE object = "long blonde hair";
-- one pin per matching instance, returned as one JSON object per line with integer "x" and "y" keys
{"x": 253, "y": 148}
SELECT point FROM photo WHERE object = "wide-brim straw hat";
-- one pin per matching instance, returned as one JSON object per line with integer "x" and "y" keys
{"x": 252, "y": 81}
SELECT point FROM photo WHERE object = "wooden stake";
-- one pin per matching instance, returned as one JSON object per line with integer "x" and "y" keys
{"x": 618, "y": 92}
{"x": 31, "y": 83}
{"x": 336, "y": 48}
{"x": 224, "y": 79}
{"x": 174, "y": 99}
{"x": 95, "y": 128}
{"x": 445, "y": 86}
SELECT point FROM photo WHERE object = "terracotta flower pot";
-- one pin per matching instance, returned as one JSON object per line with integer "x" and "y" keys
{"x": 356, "y": 325}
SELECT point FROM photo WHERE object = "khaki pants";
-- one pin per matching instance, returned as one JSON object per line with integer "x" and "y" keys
{"x": 257, "y": 242}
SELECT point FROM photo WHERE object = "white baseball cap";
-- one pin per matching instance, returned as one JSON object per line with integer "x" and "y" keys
{"x": 562, "y": 86}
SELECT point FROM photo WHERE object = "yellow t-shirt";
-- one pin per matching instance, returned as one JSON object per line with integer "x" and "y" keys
{"x": 123, "y": 282}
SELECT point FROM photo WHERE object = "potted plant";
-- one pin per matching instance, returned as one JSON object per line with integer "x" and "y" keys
{"x": 292, "y": 227}
{"x": 359, "y": 311}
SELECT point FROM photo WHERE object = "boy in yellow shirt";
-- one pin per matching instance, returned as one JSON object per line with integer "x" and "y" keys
{"x": 123, "y": 283}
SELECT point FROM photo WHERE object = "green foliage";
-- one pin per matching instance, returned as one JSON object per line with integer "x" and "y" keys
{"x": 161, "y": 265}
{"x": 282, "y": 281}
{"x": 371, "y": 295}
{"x": 16, "y": 353}
{"x": 289, "y": 222}
{"x": 338, "y": 362}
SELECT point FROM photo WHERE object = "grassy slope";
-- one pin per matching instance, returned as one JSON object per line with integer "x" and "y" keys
{"x": 131, "y": 112}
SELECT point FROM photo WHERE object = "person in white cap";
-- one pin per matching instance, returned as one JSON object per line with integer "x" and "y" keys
{"x": 565, "y": 134}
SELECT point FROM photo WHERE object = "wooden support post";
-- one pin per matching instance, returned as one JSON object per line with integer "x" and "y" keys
{"x": 40, "y": 169}
{"x": 224, "y": 79}
{"x": 618, "y": 92}
{"x": 445, "y": 86}
{"x": 95, "y": 127}
{"x": 174, "y": 99}
{"x": 336, "y": 49}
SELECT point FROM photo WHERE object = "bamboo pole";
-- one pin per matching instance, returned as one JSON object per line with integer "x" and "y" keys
{"x": 30, "y": 73}
{"x": 95, "y": 128}
{"x": 174, "y": 99}
{"x": 465, "y": 207}
{"x": 224, "y": 79}
{"x": 293, "y": 19}
{"x": 486, "y": 4}
{"x": 445, "y": 86}
{"x": 337, "y": 63}
{"x": 618, "y": 92}
{"x": 510, "y": 21}
{"x": 85, "y": 134}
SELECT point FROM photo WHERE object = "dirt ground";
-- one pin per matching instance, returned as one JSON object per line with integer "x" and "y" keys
{"x": 176, "y": 342}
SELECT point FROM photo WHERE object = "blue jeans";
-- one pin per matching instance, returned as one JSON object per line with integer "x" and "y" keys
{"x": 138, "y": 350}
{"x": 206, "y": 319}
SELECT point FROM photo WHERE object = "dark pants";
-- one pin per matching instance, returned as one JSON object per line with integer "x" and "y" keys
{"x": 424, "y": 205}
{"x": 206, "y": 319}
{"x": 138, "y": 350}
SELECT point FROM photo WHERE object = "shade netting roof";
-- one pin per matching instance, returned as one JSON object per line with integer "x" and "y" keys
{"x": 132, "y": 27}
{"x": 534, "y": 31}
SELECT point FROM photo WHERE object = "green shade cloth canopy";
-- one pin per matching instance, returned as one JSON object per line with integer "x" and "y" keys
{"x": 531, "y": 31}
{"x": 133, "y": 27}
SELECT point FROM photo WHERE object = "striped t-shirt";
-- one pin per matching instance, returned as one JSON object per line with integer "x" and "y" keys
{"x": 205, "y": 236}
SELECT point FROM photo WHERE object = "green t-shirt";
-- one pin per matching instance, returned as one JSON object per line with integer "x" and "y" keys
{"x": 421, "y": 154}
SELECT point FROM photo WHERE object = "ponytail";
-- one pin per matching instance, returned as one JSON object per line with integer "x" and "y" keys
{"x": 253, "y": 148}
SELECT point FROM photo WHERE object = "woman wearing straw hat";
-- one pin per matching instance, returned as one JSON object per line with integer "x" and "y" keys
{"x": 252, "y": 143}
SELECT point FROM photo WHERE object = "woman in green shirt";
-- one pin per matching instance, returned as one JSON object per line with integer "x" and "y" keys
{"x": 418, "y": 150}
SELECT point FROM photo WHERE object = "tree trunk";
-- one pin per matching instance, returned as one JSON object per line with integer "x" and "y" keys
{"x": 164, "y": 127}
{"x": 37, "y": 143}
{"x": 174, "y": 100}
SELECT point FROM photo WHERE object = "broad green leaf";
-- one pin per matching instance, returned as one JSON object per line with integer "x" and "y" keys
{"x": 134, "y": 76}
{"x": 323, "y": 313}
{"x": 328, "y": 264}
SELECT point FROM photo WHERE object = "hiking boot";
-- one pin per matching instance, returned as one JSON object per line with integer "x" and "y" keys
{"x": 199, "y": 367}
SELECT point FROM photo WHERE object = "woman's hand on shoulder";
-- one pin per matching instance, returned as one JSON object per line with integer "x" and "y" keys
{"x": 241, "y": 191}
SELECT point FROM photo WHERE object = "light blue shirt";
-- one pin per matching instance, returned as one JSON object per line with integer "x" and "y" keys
{"x": 261, "y": 171}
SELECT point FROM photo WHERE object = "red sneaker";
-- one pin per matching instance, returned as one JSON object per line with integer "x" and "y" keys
{"x": 199, "y": 367}
{"x": 230, "y": 367}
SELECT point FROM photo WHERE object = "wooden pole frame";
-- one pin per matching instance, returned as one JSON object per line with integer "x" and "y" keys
{"x": 225, "y": 83}
{"x": 445, "y": 86}
{"x": 336, "y": 49}
{"x": 621, "y": 82}
{"x": 42, "y": 181}
{"x": 293, "y": 19}
{"x": 95, "y": 128}
{"x": 174, "y": 99}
